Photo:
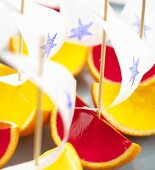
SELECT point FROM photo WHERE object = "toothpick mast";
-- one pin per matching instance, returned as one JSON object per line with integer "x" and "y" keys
{"x": 142, "y": 19}
{"x": 20, "y": 37}
{"x": 39, "y": 117}
{"x": 102, "y": 62}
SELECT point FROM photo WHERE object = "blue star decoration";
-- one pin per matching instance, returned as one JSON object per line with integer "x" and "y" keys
{"x": 81, "y": 30}
{"x": 134, "y": 70}
{"x": 69, "y": 102}
{"x": 146, "y": 28}
{"x": 49, "y": 45}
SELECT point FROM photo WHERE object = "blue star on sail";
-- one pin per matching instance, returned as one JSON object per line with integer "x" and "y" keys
{"x": 81, "y": 30}
{"x": 134, "y": 70}
{"x": 49, "y": 45}
{"x": 146, "y": 28}
{"x": 69, "y": 102}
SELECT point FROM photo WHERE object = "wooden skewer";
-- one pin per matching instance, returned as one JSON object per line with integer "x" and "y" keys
{"x": 22, "y": 6}
{"x": 102, "y": 62}
{"x": 39, "y": 117}
{"x": 20, "y": 38}
{"x": 142, "y": 18}
{"x": 103, "y": 52}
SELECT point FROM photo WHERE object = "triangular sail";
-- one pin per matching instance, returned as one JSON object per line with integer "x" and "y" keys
{"x": 131, "y": 14}
{"x": 5, "y": 24}
{"x": 60, "y": 86}
{"x": 52, "y": 27}
{"x": 131, "y": 53}
{"x": 44, "y": 22}
{"x": 82, "y": 26}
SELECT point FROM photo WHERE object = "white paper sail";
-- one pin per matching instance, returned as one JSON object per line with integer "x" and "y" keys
{"x": 12, "y": 79}
{"x": 7, "y": 28}
{"x": 43, "y": 162}
{"x": 50, "y": 3}
{"x": 131, "y": 52}
{"x": 131, "y": 14}
{"x": 82, "y": 26}
{"x": 60, "y": 86}
{"x": 44, "y": 22}
{"x": 10, "y": 26}
{"x": 119, "y": 2}
{"x": 17, "y": 3}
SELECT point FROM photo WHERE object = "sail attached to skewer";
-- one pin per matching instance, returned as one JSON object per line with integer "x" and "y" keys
{"x": 131, "y": 52}
{"x": 16, "y": 3}
{"x": 11, "y": 27}
{"x": 12, "y": 79}
{"x": 82, "y": 26}
{"x": 131, "y": 14}
{"x": 60, "y": 86}
{"x": 5, "y": 24}
{"x": 44, "y": 22}
{"x": 49, "y": 3}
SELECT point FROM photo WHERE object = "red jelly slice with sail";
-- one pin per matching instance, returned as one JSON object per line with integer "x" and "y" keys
{"x": 112, "y": 68}
{"x": 98, "y": 144}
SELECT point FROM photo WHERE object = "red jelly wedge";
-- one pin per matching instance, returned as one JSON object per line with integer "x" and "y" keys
{"x": 98, "y": 144}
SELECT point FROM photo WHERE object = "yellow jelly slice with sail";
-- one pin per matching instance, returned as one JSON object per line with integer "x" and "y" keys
{"x": 67, "y": 160}
{"x": 136, "y": 115}
{"x": 19, "y": 104}
{"x": 72, "y": 56}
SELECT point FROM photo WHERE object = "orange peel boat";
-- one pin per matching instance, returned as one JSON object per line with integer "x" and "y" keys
{"x": 19, "y": 104}
{"x": 135, "y": 116}
{"x": 9, "y": 135}
{"x": 112, "y": 70}
{"x": 97, "y": 143}
{"x": 68, "y": 159}
{"x": 72, "y": 56}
